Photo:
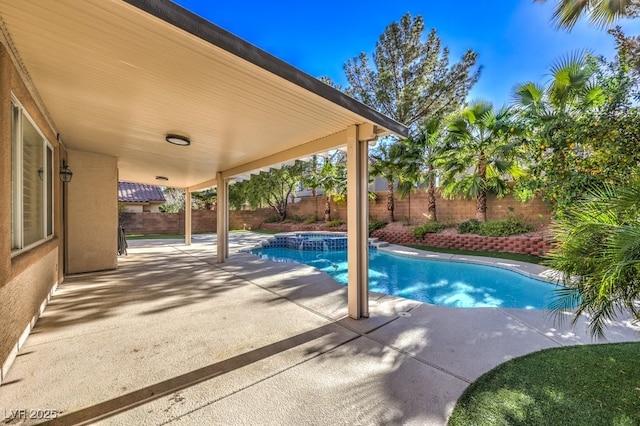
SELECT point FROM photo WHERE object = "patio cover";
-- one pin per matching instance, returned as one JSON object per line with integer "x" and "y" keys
{"x": 114, "y": 77}
{"x": 117, "y": 76}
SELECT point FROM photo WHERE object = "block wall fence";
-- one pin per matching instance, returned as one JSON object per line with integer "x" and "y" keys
{"x": 409, "y": 210}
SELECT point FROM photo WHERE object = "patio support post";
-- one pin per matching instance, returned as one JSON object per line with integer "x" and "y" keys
{"x": 357, "y": 225}
{"x": 222, "y": 226}
{"x": 187, "y": 217}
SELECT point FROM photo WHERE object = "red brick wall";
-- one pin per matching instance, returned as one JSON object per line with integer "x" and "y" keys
{"x": 535, "y": 245}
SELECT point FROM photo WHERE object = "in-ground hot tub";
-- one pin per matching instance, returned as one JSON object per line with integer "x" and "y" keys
{"x": 317, "y": 241}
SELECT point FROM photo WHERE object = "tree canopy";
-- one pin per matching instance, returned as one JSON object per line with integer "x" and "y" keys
{"x": 410, "y": 79}
{"x": 590, "y": 138}
{"x": 599, "y": 12}
{"x": 481, "y": 144}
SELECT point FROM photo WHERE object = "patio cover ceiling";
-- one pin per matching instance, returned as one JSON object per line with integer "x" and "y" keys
{"x": 117, "y": 76}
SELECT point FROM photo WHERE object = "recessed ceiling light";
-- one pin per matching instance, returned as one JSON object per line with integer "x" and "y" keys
{"x": 162, "y": 178}
{"x": 178, "y": 140}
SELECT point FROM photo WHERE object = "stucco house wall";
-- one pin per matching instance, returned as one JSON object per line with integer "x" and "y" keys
{"x": 92, "y": 212}
{"x": 28, "y": 278}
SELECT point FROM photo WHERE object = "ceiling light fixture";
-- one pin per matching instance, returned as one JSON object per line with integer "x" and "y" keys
{"x": 162, "y": 178}
{"x": 178, "y": 139}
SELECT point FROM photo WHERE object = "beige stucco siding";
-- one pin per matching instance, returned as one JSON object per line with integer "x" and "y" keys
{"x": 26, "y": 279}
{"x": 5, "y": 166}
{"x": 20, "y": 302}
{"x": 92, "y": 212}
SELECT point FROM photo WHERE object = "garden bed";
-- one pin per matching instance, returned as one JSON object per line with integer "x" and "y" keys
{"x": 533, "y": 243}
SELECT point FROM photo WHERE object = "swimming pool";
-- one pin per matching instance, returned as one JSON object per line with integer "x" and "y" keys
{"x": 444, "y": 283}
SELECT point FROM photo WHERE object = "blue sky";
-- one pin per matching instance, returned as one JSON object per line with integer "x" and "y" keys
{"x": 514, "y": 39}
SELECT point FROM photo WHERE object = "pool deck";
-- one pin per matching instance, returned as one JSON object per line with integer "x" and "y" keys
{"x": 171, "y": 337}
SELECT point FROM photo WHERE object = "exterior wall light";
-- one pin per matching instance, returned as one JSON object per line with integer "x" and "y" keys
{"x": 178, "y": 140}
{"x": 65, "y": 173}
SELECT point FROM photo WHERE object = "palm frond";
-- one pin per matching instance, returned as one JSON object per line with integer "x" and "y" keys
{"x": 528, "y": 94}
{"x": 598, "y": 253}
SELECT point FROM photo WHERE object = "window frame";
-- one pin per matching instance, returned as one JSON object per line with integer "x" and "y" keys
{"x": 18, "y": 114}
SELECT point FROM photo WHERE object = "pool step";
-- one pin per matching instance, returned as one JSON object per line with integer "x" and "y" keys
{"x": 375, "y": 242}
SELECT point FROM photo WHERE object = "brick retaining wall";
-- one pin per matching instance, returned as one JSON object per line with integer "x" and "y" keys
{"x": 535, "y": 245}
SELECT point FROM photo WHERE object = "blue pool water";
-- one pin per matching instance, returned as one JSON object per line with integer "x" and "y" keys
{"x": 444, "y": 283}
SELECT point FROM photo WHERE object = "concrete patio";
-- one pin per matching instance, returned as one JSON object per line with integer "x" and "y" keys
{"x": 173, "y": 337}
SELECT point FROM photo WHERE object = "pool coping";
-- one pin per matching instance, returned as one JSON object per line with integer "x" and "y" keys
{"x": 530, "y": 270}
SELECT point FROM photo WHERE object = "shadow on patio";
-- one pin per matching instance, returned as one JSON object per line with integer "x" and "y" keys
{"x": 172, "y": 336}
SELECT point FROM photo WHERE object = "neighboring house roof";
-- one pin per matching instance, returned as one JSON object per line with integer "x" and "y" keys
{"x": 138, "y": 193}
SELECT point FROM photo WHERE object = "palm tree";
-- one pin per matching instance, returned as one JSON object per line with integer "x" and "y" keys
{"x": 598, "y": 253}
{"x": 393, "y": 162}
{"x": 333, "y": 180}
{"x": 600, "y": 12}
{"x": 311, "y": 178}
{"x": 480, "y": 153}
{"x": 571, "y": 88}
{"x": 427, "y": 143}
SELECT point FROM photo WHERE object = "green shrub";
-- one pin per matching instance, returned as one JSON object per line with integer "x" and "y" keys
{"x": 511, "y": 225}
{"x": 335, "y": 222}
{"x": 471, "y": 226}
{"x": 272, "y": 219}
{"x": 295, "y": 218}
{"x": 310, "y": 220}
{"x": 376, "y": 224}
{"x": 427, "y": 228}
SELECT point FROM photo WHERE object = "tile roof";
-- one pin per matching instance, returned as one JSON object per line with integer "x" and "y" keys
{"x": 138, "y": 193}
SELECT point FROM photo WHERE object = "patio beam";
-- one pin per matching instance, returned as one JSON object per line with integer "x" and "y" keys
{"x": 203, "y": 185}
{"x": 323, "y": 144}
{"x": 357, "y": 224}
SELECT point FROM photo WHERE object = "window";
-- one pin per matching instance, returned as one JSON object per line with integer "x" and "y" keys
{"x": 31, "y": 182}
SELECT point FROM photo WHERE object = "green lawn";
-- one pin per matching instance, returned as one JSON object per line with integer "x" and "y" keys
{"x": 265, "y": 231}
{"x": 512, "y": 256}
{"x": 181, "y": 236}
{"x": 575, "y": 385}
{"x": 154, "y": 236}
